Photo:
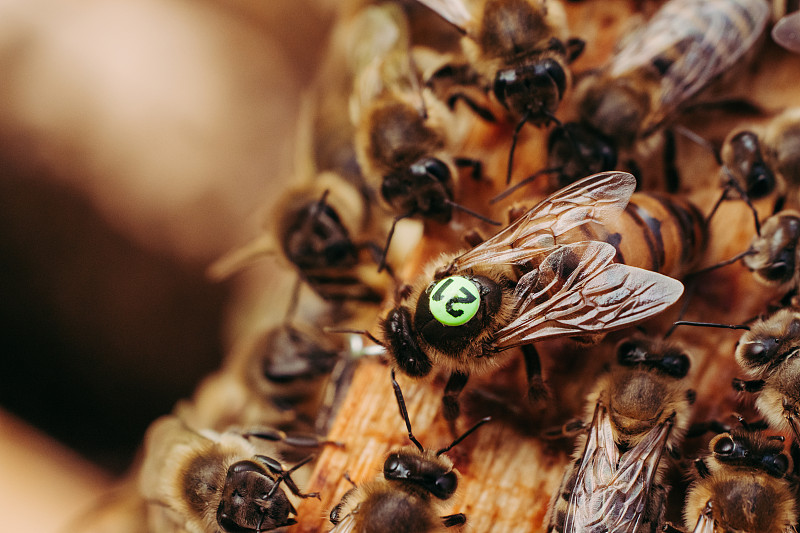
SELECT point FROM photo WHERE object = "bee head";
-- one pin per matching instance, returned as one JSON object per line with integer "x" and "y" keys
{"x": 423, "y": 188}
{"x": 774, "y": 252}
{"x": 454, "y": 311}
{"x": 578, "y": 150}
{"x": 533, "y": 90}
{"x": 742, "y": 156}
{"x": 289, "y": 354}
{"x": 769, "y": 342}
{"x": 668, "y": 361}
{"x": 315, "y": 237}
{"x": 402, "y": 343}
{"x": 745, "y": 448}
{"x": 251, "y": 500}
{"x": 433, "y": 476}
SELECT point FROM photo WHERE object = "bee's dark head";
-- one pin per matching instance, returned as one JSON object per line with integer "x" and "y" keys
{"x": 770, "y": 342}
{"x": 431, "y": 475}
{"x": 315, "y": 237}
{"x": 751, "y": 449}
{"x": 534, "y": 90}
{"x": 744, "y": 159}
{"x": 454, "y": 311}
{"x": 401, "y": 342}
{"x": 424, "y": 188}
{"x": 774, "y": 259}
{"x": 579, "y": 150}
{"x": 250, "y": 501}
{"x": 289, "y": 354}
{"x": 666, "y": 360}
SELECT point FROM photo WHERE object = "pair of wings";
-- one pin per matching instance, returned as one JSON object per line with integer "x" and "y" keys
{"x": 576, "y": 289}
{"x": 693, "y": 42}
{"x": 611, "y": 489}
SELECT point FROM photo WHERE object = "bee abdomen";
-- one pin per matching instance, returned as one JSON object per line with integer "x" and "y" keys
{"x": 658, "y": 232}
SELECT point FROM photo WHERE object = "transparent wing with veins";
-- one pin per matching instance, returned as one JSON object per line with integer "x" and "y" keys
{"x": 611, "y": 489}
{"x": 579, "y": 290}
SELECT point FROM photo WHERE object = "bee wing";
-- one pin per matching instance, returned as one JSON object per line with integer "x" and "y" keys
{"x": 610, "y": 489}
{"x": 554, "y": 220}
{"x": 600, "y": 456}
{"x": 579, "y": 290}
{"x": 380, "y": 57}
{"x": 687, "y": 44}
{"x": 456, "y": 12}
{"x": 347, "y": 525}
{"x": 786, "y": 32}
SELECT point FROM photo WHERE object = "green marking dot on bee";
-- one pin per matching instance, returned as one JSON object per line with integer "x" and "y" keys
{"x": 454, "y": 300}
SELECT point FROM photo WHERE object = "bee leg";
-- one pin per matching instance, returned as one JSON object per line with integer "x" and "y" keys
{"x": 702, "y": 468}
{"x": 654, "y": 511}
{"x": 537, "y": 390}
{"x": 741, "y": 385}
{"x": 671, "y": 174}
{"x": 475, "y": 164}
{"x": 296, "y": 440}
{"x": 570, "y": 429}
{"x": 455, "y": 384}
{"x": 276, "y": 468}
{"x": 575, "y": 47}
{"x": 454, "y": 520}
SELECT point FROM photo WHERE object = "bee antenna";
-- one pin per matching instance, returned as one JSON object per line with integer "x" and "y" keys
{"x": 698, "y": 140}
{"x": 524, "y": 182}
{"x": 717, "y": 204}
{"x": 710, "y": 325}
{"x": 471, "y": 212}
{"x": 401, "y": 403}
{"x": 283, "y": 475}
{"x": 397, "y": 219}
{"x": 518, "y": 127}
{"x": 727, "y": 262}
{"x": 464, "y": 435}
{"x": 363, "y": 332}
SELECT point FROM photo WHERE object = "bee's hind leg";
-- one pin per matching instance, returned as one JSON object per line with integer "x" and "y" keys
{"x": 537, "y": 390}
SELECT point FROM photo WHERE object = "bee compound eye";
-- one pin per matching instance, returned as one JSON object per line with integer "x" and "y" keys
{"x": 453, "y": 301}
{"x": 446, "y": 484}
{"x": 724, "y": 446}
{"x": 777, "y": 465}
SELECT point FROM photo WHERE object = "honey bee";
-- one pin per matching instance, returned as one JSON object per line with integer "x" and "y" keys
{"x": 767, "y": 162}
{"x": 520, "y": 49}
{"x": 279, "y": 380}
{"x": 639, "y": 409}
{"x": 407, "y": 496}
{"x": 742, "y": 487}
{"x": 539, "y": 278}
{"x": 767, "y": 354}
{"x": 686, "y": 45}
{"x": 402, "y": 139}
{"x": 204, "y": 482}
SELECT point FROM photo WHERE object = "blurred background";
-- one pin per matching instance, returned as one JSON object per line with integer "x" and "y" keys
{"x": 139, "y": 141}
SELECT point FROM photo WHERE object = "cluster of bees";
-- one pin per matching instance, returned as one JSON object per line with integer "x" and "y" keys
{"x": 430, "y": 110}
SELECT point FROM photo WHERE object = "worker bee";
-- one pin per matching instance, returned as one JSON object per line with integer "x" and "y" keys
{"x": 639, "y": 409}
{"x": 742, "y": 486}
{"x": 767, "y": 162}
{"x": 402, "y": 139}
{"x": 686, "y": 45}
{"x": 521, "y": 51}
{"x": 204, "y": 482}
{"x": 767, "y": 354}
{"x": 279, "y": 379}
{"x": 406, "y": 497}
{"x": 537, "y": 279}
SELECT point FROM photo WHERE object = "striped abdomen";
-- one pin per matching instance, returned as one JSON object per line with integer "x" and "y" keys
{"x": 659, "y": 232}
